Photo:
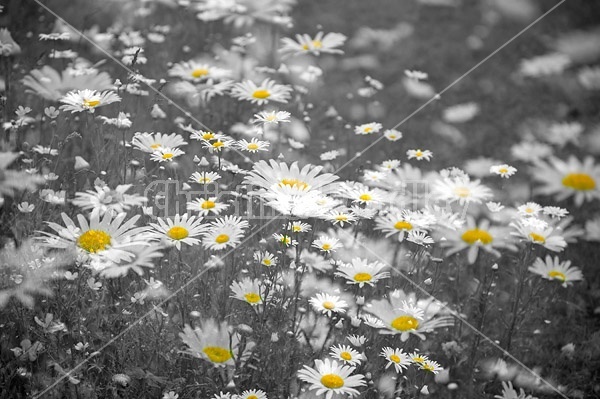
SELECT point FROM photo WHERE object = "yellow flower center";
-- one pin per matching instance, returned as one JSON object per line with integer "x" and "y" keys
{"x": 362, "y": 277}
{"x": 392, "y": 136}
{"x": 252, "y": 146}
{"x": 294, "y": 183}
{"x": 418, "y": 153}
{"x": 252, "y": 297}
{"x": 346, "y": 356}
{"x": 579, "y": 181}
{"x": 537, "y": 238}
{"x": 261, "y": 94}
{"x": 222, "y": 238}
{"x": 557, "y": 275}
{"x": 207, "y": 204}
{"x": 428, "y": 367}
{"x": 271, "y": 117}
{"x": 266, "y": 262}
{"x": 217, "y": 354}
{"x": 365, "y": 197}
{"x": 403, "y": 225}
{"x": 208, "y": 136}
{"x": 395, "y": 358}
{"x": 296, "y": 229}
{"x": 317, "y": 44}
{"x": 503, "y": 170}
{"x": 329, "y": 305}
{"x": 341, "y": 218}
{"x": 177, "y": 233}
{"x": 418, "y": 359}
{"x": 218, "y": 144}
{"x": 405, "y": 323}
{"x": 90, "y": 103}
{"x": 252, "y": 397}
{"x": 199, "y": 72}
{"x": 155, "y": 146}
{"x": 477, "y": 236}
{"x": 167, "y": 155}
{"x": 368, "y": 129}
{"x": 93, "y": 241}
{"x": 326, "y": 247}
{"x": 462, "y": 192}
{"x": 332, "y": 381}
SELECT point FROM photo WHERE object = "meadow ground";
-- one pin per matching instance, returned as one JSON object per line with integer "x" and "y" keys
{"x": 252, "y": 199}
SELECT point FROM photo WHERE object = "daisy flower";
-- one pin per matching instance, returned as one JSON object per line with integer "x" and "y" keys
{"x": 272, "y": 117}
{"x": 166, "y": 154}
{"x": 415, "y": 75}
{"x": 346, "y": 354}
{"x": 418, "y": 358}
{"x": 494, "y": 207}
{"x": 204, "y": 177}
{"x": 261, "y": 94}
{"x": 403, "y": 222}
{"x": 249, "y": 291}
{"x": 555, "y": 212}
{"x": 211, "y": 342}
{"x": 475, "y": 236}
{"x": 395, "y": 357}
{"x": 108, "y": 237}
{"x": 460, "y": 113}
{"x": 368, "y": 128}
{"x": 357, "y": 340}
{"x": 362, "y": 194}
{"x": 392, "y": 135}
{"x": 104, "y": 199}
{"x": 143, "y": 256}
{"x": 181, "y": 229}
{"x": 529, "y": 209}
{"x": 224, "y": 232}
{"x": 252, "y": 394}
{"x": 329, "y": 155}
{"x": 326, "y": 244}
{"x": 321, "y": 43}
{"x": 419, "y": 154}
{"x": 284, "y": 239}
{"x": 361, "y": 272}
{"x": 528, "y": 151}
{"x": 331, "y": 379}
{"x": 403, "y": 314}
{"x": 566, "y": 179}
{"x": 419, "y": 238}
{"x": 197, "y": 71}
{"x": 265, "y": 258}
{"x": 151, "y": 142}
{"x": 204, "y": 206}
{"x": 328, "y": 304}
{"x": 87, "y": 100}
{"x": 538, "y": 232}
{"x": 503, "y": 170}
{"x": 253, "y": 145}
{"x": 298, "y": 227}
{"x": 461, "y": 189}
{"x": 341, "y": 216}
{"x": 204, "y": 135}
{"x": 275, "y": 178}
{"x": 217, "y": 145}
{"x": 431, "y": 366}
{"x": 554, "y": 269}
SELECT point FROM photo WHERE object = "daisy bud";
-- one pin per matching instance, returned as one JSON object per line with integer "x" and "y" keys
{"x": 360, "y": 300}
{"x": 301, "y": 310}
{"x": 231, "y": 385}
{"x": 339, "y": 325}
{"x": 81, "y": 163}
{"x": 196, "y": 159}
{"x": 452, "y": 386}
{"x": 425, "y": 390}
{"x": 157, "y": 112}
{"x": 428, "y": 281}
{"x": 245, "y": 329}
{"x": 289, "y": 334}
{"x": 495, "y": 266}
{"x": 203, "y": 162}
{"x": 355, "y": 321}
{"x": 274, "y": 337}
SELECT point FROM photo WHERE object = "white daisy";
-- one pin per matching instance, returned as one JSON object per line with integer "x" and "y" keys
{"x": 368, "y": 128}
{"x": 204, "y": 206}
{"x": 224, "y": 232}
{"x": 461, "y": 189}
{"x": 419, "y": 154}
{"x": 321, "y": 43}
{"x": 539, "y": 232}
{"x": 503, "y": 170}
{"x": 395, "y": 357}
{"x": 204, "y": 177}
{"x": 328, "y": 304}
{"x": 326, "y": 244}
{"x": 554, "y": 269}
{"x": 346, "y": 354}
{"x": 361, "y": 272}
{"x": 87, "y": 100}
{"x": 166, "y": 154}
{"x": 272, "y": 117}
{"x": 249, "y": 291}
{"x": 151, "y": 142}
{"x": 331, "y": 379}
{"x": 261, "y": 94}
{"x": 392, "y": 135}
{"x": 196, "y": 71}
{"x": 265, "y": 258}
{"x": 253, "y": 145}
{"x": 181, "y": 229}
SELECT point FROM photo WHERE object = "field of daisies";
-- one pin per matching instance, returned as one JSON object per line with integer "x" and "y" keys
{"x": 261, "y": 199}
